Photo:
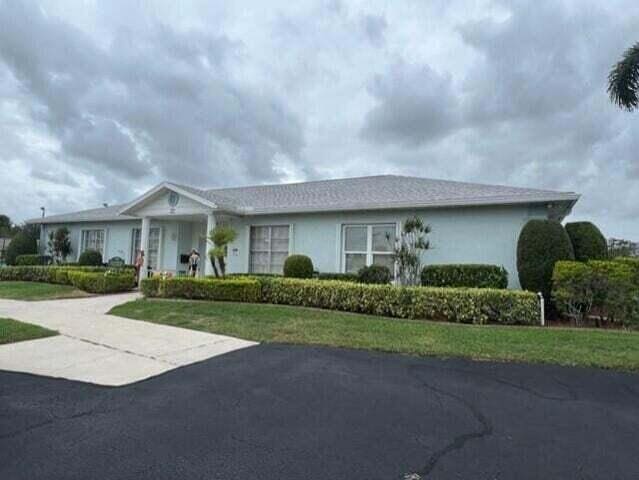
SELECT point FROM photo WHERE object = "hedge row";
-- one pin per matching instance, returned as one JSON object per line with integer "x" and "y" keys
{"x": 33, "y": 259}
{"x": 232, "y": 290}
{"x": 102, "y": 282}
{"x": 461, "y": 305}
{"x": 99, "y": 279}
{"x": 465, "y": 275}
{"x": 604, "y": 289}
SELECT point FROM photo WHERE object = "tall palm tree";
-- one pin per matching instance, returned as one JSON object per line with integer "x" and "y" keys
{"x": 623, "y": 80}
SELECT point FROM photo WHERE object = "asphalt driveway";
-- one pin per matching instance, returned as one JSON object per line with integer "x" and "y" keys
{"x": 284, "y": 412}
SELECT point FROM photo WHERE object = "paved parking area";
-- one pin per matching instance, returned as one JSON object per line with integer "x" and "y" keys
{"x": 285, "y": 412}
{"x": 103, "y": 349}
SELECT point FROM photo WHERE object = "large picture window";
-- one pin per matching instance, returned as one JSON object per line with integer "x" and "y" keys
{"x": 92, "y": 240}
{"x": 269, "y": 248}
{"x": 365, "y": 245}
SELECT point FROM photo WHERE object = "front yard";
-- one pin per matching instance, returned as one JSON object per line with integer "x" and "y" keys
{"x": 298, "y": 325}
{"x": 13, "y": 331}
{"x": 38, "y": 291}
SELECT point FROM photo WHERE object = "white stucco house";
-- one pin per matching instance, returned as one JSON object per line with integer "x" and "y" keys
{"x": 341, "y": 224}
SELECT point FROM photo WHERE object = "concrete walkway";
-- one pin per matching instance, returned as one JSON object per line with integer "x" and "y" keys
{"x": 103, "y": 349}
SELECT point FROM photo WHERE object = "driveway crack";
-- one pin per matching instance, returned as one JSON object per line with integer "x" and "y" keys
{"x": 458, "y": 442}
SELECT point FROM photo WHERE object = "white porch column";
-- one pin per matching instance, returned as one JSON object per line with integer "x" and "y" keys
{"x": 210, "y": 225}
{"x": 144, "y": 244}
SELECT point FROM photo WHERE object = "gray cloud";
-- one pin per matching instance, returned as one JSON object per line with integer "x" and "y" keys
{"x": 101, "y": 101}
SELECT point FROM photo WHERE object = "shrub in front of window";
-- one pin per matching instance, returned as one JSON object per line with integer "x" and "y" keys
{"x": 588, "y": 242}
{"x": 465, "y": 275}
{"x": 374, "y": 274}
{"x": 410, "y": 245}
{"x": 230, "y": 290}
{"x": 344, "y": 277}
{"x": 298, "y": 266}
{"x": 461, "y": 305}
{"x": 541, "y": 244}
{"x": 33, "y": 259}
{"x": 22, "y": 244}
{"x": 90, "y": 258}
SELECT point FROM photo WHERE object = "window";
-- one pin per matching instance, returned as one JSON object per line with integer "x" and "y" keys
{"x": 92, "y": 240}
{"x": 367, "y": 245}
{"x": 269, "y": 248}
{"x": 154, "y": 246}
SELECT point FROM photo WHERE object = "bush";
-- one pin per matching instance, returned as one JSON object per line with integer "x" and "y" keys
{"x": 608, "y": 288}
{"x": 231, "y": 290}
{"x": 541, "y": 244}
{"x": 588, "y": 242}
{"x": 90, "y": 258}
{"x": 344, "y": 277}
{"x": 462, "y": 305}
{"x": 109, "y": 281}
{"x": 298, "y": 266}
{"x": 21, "y": 244}
{"x": 374, "y": 274}
{"x": 465, "y": 275}
{"x": 54, "y": 274}
{"x": 33, "y": 259}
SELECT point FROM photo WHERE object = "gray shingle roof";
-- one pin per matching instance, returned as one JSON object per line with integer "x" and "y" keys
{"x": 376, "y": 192}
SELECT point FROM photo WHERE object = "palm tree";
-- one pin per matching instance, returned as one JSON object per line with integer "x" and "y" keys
{"x": 623, "y": 80}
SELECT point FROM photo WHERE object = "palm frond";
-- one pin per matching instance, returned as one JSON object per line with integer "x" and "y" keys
{"x": 623, "y": 80}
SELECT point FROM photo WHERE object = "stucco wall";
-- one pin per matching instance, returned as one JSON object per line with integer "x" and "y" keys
{"x": 459, "y": 235}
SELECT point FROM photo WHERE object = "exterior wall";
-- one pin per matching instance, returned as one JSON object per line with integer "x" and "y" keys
{"x": 459, "y": 235}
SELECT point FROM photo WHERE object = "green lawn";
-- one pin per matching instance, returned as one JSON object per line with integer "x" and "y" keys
{"x": 283, "y": 324}
{"x": 14, "y": 331}
{"x": 38, "y": 291}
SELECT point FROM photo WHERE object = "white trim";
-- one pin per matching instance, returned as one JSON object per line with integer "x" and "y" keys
{"x": 166, "y": 186}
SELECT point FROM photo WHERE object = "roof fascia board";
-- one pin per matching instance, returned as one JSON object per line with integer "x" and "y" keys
{"x": 165, "y": 186}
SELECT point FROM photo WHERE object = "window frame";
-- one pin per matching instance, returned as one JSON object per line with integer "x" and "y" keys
{"x": 270, "y": 245}
{"x": 84, "y": 231}
{"x": 134, "y": 250}
{"x": 369, "y": 252}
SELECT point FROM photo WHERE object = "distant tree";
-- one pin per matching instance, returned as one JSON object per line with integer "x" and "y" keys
{"x": 623, "y": 80}
{"x": 22, "y": 244}
{"x": 5, "y": 226}
{"x": 220, "y": 236}
{"x": 59, "y": 244}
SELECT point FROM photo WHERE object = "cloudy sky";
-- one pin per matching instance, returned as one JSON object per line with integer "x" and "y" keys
{"x": 102, "y": 100}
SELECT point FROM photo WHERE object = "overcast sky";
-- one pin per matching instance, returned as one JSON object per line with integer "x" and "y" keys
{"x": 102, "y": 100}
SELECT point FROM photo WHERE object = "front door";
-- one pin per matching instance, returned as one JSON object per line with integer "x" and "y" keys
{"x": 154, "y": 253}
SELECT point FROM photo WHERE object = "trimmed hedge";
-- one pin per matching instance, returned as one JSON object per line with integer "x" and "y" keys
{"x": 465, "y": 275}
{"x": 102, "y": 282}
{"x": 609, "y": 289}
{"x": 541, "y": 244}
{"x": 90, "y": 258}
{"x": 232, "y": 290}
{"x": 344, "y": 277}
{"x": 587, "y": 241}
{"x": 60, "y": 274}
{"x": 298, "y": 266}
{"x": 461, "y": 305}
{"x": 33, "y": 259}
{"x": 374, "y": 275}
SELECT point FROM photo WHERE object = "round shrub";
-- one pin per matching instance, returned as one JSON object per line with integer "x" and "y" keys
{"x": 298, "y": 266}
{"x": 378, "y": 274}
{"x": 541, "y": 244}
{"x": 90, "y": 258}
{"x": 587, "y": 241}
{"x": 21, "y": 244}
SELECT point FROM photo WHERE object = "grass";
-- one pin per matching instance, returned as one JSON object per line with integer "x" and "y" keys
{"x": 284, "y": 324}
{"x": 13, "y": 331}
{"x": 38, "y": 291}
